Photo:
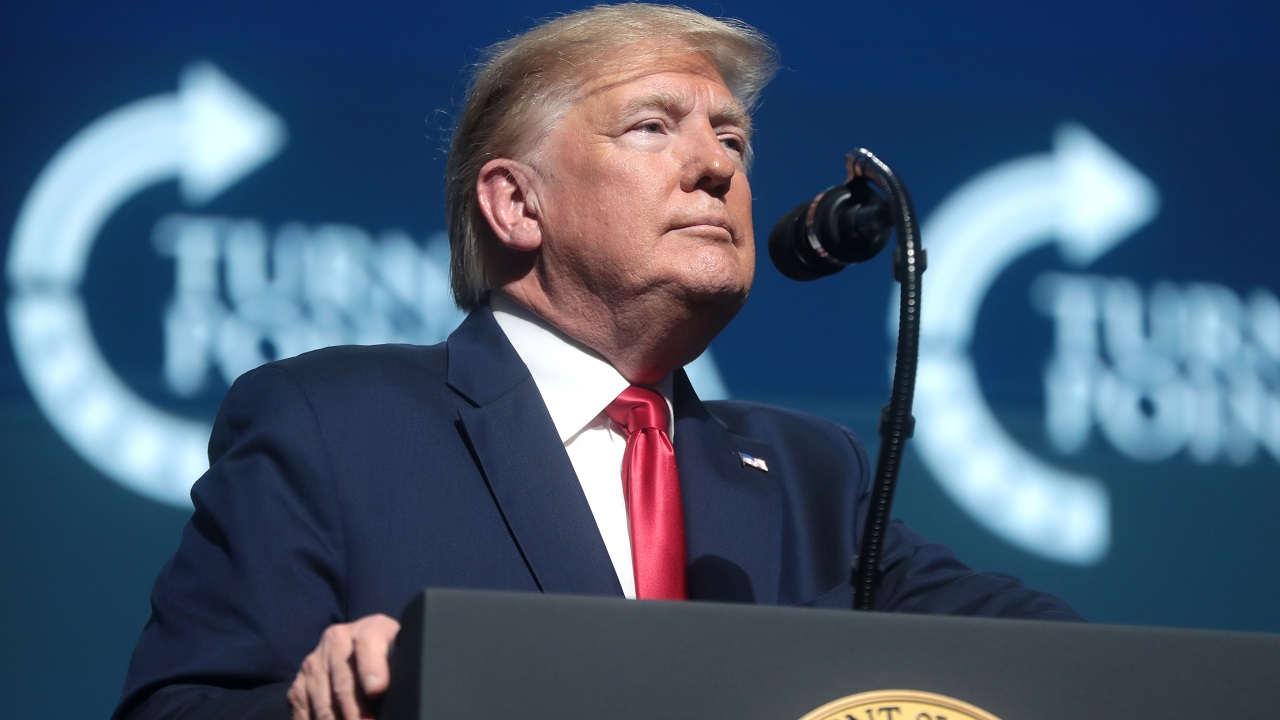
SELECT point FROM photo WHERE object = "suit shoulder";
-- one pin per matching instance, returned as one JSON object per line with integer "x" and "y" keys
{"x": 796, "y": 431}
{"x": 364, "y": 364}
{"x": 345, "y": 390}
{"x": 741, "y": 415}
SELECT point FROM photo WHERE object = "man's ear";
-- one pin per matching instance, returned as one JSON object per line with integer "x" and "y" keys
{"x": 508, "y": 199}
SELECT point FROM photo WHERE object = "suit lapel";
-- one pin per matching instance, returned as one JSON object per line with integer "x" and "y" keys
{"x": 733, "y": 514}
{"x": 515, "y": 444}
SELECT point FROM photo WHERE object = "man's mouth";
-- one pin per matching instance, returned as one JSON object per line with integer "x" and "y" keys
{"x": 709, "y": 225}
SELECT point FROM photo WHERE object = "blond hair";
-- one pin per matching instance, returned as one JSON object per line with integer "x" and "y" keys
{"x": 524, "y": 83}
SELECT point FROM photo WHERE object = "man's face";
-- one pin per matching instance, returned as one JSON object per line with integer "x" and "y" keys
{"x": 643, "y": 196}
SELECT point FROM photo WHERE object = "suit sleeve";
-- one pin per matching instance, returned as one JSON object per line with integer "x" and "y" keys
{"x": 919, "y": 576}
{"x": 924, "y": 577}
{"x": 258, "y": 574}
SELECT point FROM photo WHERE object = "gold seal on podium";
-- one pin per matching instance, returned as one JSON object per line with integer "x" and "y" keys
{"x": 898, "y": 705}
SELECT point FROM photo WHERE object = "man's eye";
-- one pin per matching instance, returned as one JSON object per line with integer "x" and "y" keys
{"x": 733, "y": 142}
{"x": 652, "y": 126}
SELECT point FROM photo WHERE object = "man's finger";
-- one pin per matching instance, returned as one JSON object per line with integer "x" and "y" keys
{"x": 373, "y": 641}
{"x": 336, "y": 650}
{"x": 343, "y": 681}
{"x": 299, "y": 707}
{"x": 319, "y": 694}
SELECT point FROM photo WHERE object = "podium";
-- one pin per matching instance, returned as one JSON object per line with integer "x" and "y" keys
{"x": 469, "y": 654}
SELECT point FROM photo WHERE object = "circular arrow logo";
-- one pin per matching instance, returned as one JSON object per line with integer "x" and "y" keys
{"x": 1086, "y": 199}
{"x": 207, "y": 136}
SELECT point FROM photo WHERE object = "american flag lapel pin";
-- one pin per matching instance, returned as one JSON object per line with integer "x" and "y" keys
{"x": 755, "y": 462}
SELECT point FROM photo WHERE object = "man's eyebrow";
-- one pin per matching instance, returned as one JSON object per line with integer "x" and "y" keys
{"x": 729, "y": 112}
{"x": 732, "y": 113}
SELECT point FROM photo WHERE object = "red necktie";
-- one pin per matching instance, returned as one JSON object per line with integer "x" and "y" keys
{"x": 652, "y": 490}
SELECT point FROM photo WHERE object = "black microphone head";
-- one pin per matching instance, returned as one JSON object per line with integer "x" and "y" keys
{"x": 791, "y": 247}
{"x": 846, "y": 224}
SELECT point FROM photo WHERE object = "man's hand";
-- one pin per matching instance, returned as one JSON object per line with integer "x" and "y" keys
{"x": 345, "y": 672}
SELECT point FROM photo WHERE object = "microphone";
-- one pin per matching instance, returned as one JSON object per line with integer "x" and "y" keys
{"x": 846, "y": 224}
{"x": 843, "y": 225}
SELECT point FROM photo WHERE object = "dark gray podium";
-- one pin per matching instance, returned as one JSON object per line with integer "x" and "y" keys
{"x": 465, "y": 654}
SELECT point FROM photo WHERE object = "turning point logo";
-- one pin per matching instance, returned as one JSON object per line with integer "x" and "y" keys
{"x": 1178, "y": 369}
{"x": 1086, "y": 199}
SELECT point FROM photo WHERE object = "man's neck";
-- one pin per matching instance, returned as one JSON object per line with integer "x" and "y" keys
{"x": 642, "y": 344}
{"x": 575, "y": 382}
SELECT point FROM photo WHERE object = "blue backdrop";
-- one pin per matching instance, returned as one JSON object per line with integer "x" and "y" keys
{"x": 190, "y": 189}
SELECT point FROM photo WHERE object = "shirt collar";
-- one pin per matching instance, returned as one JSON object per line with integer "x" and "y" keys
{"x": 576, "y": 383}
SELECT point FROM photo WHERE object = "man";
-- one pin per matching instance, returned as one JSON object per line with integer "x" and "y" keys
{"x": 602, "y": 236}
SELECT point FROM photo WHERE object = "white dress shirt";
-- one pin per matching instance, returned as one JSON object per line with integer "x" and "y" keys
{"x": 577, "y": 385}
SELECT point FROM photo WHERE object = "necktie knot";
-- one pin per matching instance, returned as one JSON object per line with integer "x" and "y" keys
{"x": 637, "y": 409}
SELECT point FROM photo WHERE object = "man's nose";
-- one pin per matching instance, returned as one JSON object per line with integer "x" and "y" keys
{"x": 709, "y": 165}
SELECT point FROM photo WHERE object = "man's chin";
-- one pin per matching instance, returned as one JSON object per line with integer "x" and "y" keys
{"x": 705, "y": 294}
{"x": 717, "y": 278}
{"x": 713, "y": 306}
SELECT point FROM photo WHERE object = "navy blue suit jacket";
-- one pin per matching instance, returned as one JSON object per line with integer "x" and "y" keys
{"x": 345, "y": 481}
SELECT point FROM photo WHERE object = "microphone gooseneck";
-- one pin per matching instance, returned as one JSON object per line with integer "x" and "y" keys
{"x": 843, "y": 225}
